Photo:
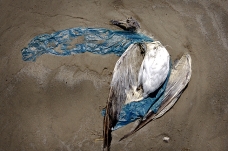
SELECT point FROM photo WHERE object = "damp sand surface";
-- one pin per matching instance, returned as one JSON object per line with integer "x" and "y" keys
{"x": 54, "y": 104}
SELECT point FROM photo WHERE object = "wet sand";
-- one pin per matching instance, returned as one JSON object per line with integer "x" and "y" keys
{"x": 54, "y": 104}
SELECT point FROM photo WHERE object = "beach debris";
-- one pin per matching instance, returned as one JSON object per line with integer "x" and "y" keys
{"x": 80, "y": 40}
{"x": 166, "y": 139}
{"x": 127, "y": 100}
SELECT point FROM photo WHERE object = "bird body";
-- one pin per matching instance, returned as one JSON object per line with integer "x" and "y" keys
{"x": 154, "y": 68}
{"x": 178, "y": 80}
{"x": 141, "y": 70}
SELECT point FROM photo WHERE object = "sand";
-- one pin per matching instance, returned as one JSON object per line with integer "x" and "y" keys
{"x": 54, "y": 104}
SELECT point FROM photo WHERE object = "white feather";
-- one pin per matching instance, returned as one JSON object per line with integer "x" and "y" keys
{"x": 154, "y": 68}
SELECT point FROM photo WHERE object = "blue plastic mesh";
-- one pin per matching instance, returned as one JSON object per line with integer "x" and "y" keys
{"x": 79, "y": 40}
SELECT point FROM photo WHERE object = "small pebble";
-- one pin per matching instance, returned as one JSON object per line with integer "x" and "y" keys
{"x": 166, "y": 139}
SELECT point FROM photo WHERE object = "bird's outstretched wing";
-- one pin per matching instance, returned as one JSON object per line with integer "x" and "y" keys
{"x": 179, "y": 78}
{"x": 125, "y": 79}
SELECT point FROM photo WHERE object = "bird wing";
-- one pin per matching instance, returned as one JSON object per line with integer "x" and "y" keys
{"x": 179, "y": 78}
{"x": 125, "y": 78}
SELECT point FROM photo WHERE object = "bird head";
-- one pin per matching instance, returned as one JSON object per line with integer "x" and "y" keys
{"x": 129, "y": 24}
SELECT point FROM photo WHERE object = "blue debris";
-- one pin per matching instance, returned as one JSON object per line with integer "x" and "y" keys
{"x": 79, "y": 40}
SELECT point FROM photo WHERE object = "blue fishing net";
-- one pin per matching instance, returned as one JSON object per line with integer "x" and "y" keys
{"x": 79, "y": 40}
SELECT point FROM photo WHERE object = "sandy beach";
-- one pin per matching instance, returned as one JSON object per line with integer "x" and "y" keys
{"x": 54, "y": 103}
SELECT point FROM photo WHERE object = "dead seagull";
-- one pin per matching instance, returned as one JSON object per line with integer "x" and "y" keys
{"x": 140, "y": 71}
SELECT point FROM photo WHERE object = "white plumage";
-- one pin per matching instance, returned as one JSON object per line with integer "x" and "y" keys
{"x": 154, "y": 68}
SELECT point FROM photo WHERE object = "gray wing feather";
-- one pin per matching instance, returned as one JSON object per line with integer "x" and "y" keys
{"x": 125, "y": 77}
{"x": 179, "y": 78}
